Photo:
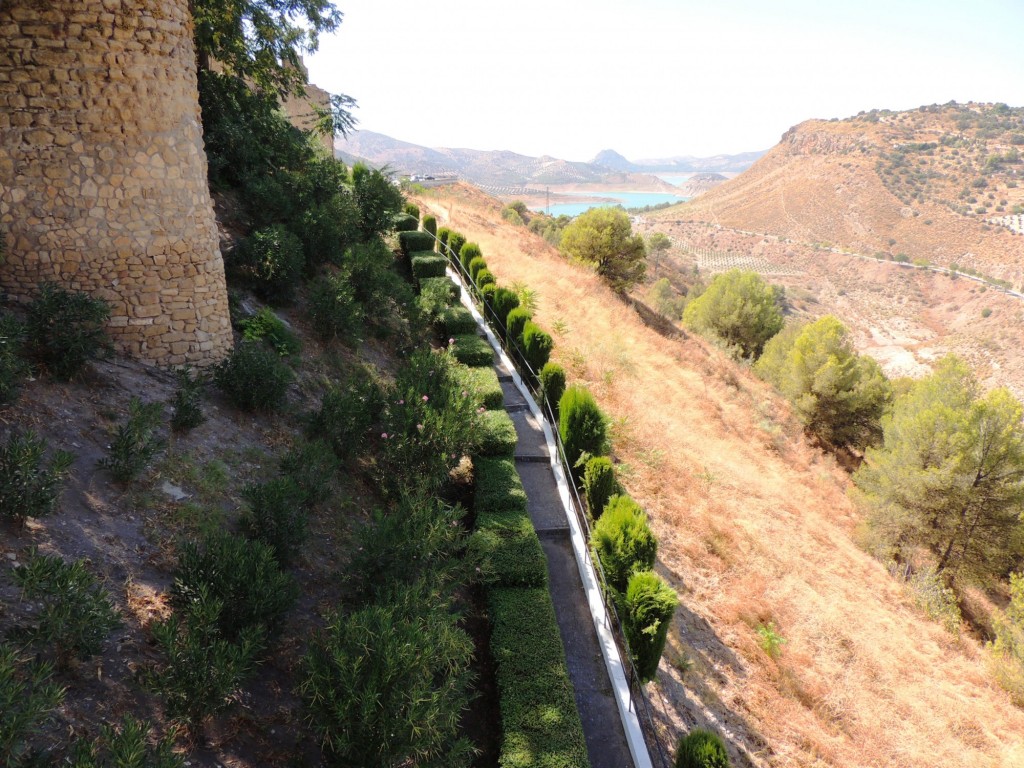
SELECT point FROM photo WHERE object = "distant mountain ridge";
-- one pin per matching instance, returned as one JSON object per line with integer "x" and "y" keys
{"x": 509, "y": 169}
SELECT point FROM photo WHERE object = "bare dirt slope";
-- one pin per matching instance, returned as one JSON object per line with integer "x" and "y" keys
{"x": 755, "y": 527}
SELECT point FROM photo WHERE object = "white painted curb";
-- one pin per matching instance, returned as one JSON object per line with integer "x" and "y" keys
{"x": 598, "y": 611}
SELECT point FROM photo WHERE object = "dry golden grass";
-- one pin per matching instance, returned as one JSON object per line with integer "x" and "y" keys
{"x": 755, "y": 526}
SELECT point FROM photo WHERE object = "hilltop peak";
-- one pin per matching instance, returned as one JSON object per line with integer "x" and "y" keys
{"x": 611, "y": 159}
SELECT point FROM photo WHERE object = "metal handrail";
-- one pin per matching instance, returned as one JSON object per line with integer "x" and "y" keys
{"x": 518, "y": 357}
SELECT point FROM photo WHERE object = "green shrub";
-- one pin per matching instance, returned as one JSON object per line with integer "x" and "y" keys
{"x": 411, "y": 209}
{"x": 188, "y": 400}
{"x": 537, "y": 345}
{"x": 347, "y": 413}
{"x": 509, "y": 552}
{"x": 127, "y": 746}
{"x": 28, "y": 488}
{"x": 552, "y": 385}
{"x": 311, "y": 465}
{"x": 13, "y": 368}
{"x": 430, "y": 225}
{"x": 326, "y": 229}
{"x": 455, "y": 243}
{"x": 27, "y": 700}
{"x": 243, "y": 575}
{"x": 503, "y": 302}
{"x": 467, "y": 251}
{"x": 276, "y": 516}
{"x": 540, "y": 722}
{"x": 77, "y": 614}
{"x": 487, "y": 293}
{"x": 410, "y": 242}
{"x": 484, "y": 278}
{"x": 481, "y": 386}
{"x": 457, "y": 321}
{"x": 135, "y": 442}
{"x": 378, "y": 200}
{"x": 406, "y": 223}
{"x": 497, "y": 487}
{"x": 272, "y": 260}
{"x": 497, "y": 434}
{"x": 386, "y": 684}
{"x": 333, "y": 309}
{"x": 436, "y": 295}
{"x": 65, "y": 329}
{"x": 623, "y": 541}
{"x": 649, "y": 606}
{"x": 203, "y": 670}
{"x": 701, "y": 749}
{"x": 471, "y": 350}
{"x": 442, "y": 237}
{"x": 739, "y": 310}
{"x": 254, "y": 378}
{"x": 267, "y": 327}
{"x": 599, "y": 484}
{"x": 514, "y": 324}
{"x": 426, "y": 265}
{"x": 581, "y": 425}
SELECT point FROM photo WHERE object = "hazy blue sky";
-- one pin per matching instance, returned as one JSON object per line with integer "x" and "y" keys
{"x": 654, "y": 78}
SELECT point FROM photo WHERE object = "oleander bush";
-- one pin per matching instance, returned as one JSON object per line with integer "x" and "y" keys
{"x": 482, "y": 387}
{"x": 28, "y": 698}
{"x": 333, "y": 309}
{"x": 30, "y": 486}
{"x": 457, "y": 321}
{"x": 243, "y": 575}
{"x": 436, "y": 295}
{"x": 65, "y": 329}
{"x": 508, "y": 550}
{"x": 471, "y": 350}
{"x": 701, "y": 749}
{"x": 188, "y": 400}
{"x": 311, "y": 465}
{"x": 497, "y": 487}
{"x": 497, "y": 435}
{"x": 272, "y": 260}
{"x": 267, "y": 327}
{"x": 76, "y": 614}
{"x": 649, "y": 606}
{"x": 426, "y": 265}
{"x": 540, "y": 722}
{"x": 348, "y": 413}
{"x": 129, "y": 745}
{"x": 253, "y": 378}
{"x": 552, "y": 384}
{"x": 581, "y": 425}
{"x": 599, "y": 484}
{"x": 326, "y": 228}
{"x": 277, "y": 516}
{"x": 623, "y": 541}
{"x": 13, "y": 368}
{"x": 135, "y": 441}
{"x": 537, "y": 346}
{"x": 514, "y": 324}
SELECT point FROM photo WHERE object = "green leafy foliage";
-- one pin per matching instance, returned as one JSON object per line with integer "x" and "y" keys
{"x": 701, "y": 749}
{"x": 552, "y": 384}
{"x": 203, "y": 671}
{"x": 467, "y": 251}
{"x": 581, "y": 425}
{"x": 503, "y": 302}
{"x": 603, "y": 239}
{"x": 411, "y": 209}
{"x": 497, "y": 436}
{"x": 347, "y": 413}
{"x": 515, "y": 322}
{"x": 326, "y": 228}
{"x": 243, "y": 575}
{"x": 436, "y": 295}
{"x": 838, "y": 395}
{"x": 475, "y": 265}
{"x": 430, "y": 224}
{"x": 411, "y": 242}
{"x": 599, "y": 484}
{"x": 13, "y": 368}
{"x": 126, "y": 746}
{"x": 135, "y": 441}
{"x": 481, "y": 386}
{"x": 254, "y": 378}
{"x": 272, "y": 261}
{"x": 28, "y": 698}
{"x": 665, "y": 300}
{"x": 1007, "y": 649}
{"x": 77, "y": 614}
{"x": 28, "y": 486}
{"x": 65, "y": 329}
{"x": 739, "y": 310}
{"x": 378, "y": 201}
{"x": 188, "y": 400}
{"x": 267, "y": 327}
{"x": 497, "y": 487}
{"x": 386, "y": 684}
{"x": 509, "y": 552}
{"x": 457, "y": 321}
{"x": 623, "y": 541}
{"x": 333, "y": 309}
{"x": 537, "y": 346}
{"x": 426, "y": 265}
{"x": 469, "y": 349}
{"x": 403, "y": 222}
{"x": 277, "y": 516}
{"x": 949, "y": 475}
{"x": 649, "y": 605}
{"x": 311, "y": 465}
{"x": 770, "y": 639}
{"x": 540, "y": 723}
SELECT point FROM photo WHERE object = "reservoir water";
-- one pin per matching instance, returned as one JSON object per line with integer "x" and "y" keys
{"x": 625, "y": 199}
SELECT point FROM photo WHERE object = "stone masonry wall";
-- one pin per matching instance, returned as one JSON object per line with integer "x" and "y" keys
{"x": 103, "y": 183}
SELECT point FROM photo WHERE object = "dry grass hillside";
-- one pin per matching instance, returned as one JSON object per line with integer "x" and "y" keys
{"x": 941, "y": 184}
{"x": 755, "y": 527}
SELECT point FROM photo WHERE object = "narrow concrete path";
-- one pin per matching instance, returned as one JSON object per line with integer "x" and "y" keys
{"x": 602, "y": 725}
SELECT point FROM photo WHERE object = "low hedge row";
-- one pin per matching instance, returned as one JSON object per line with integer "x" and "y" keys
{"x": 427, "y": 264}
{"x": 457, "y": 321}
{"x": 498, "y": 487}
{"x": 482, "y": 385}
{"x": 410, "y": 242}
{"x": 471, "y": 350}
{"x": 540, "y": 723}
{"x": 444, "y": 285}
{"x": 405, "y": 222}
{"x": 509, "y": 550}
{"x": 497, "y": 434}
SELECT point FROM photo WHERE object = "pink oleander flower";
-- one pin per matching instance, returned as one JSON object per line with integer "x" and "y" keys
{"x": 419, "y": 427}
{"x": 451, "y": 341}
{"x": 425, "y": 398}
{"x": 384, "y": 435}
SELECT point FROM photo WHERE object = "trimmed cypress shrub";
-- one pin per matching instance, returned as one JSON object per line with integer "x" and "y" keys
{"x": 475, "y": 265}
{"x": 537, "y": 346}
{"x": 650, "y": 604}
{"x": 514, "y": 324}
{"x": 428, "y": 264}
{"x": 487, "y": 294}
{"x": 552, "y": 383}
{"x": 411, "y": 209}
{"x": 623, "y": 541}
{"x": 442, "y": 236}
{"x": 481, "y": 385}
{"x": 470, "y": 349}
{"x": 406, "y": 223}
{"x": 497, "y": 487}
{"x": 467, "y": 253}
{"x": 430, "y": 225}
{"x": 457, "y": 321}
{"x": 455, "y": 243}
{"x": 599, "y": 484}
{"x": 497, "y": 434}
{"x": 484, "y": 278}
{"x": 701, "y": 749}
{"x": 509, "y": 550}
{"x": 503, "y": 302}
{"x": 581, "y": 425}
{"x": 410, "y": 242}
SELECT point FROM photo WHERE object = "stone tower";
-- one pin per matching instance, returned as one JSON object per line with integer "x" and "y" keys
{"x": 103, "y": 182}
